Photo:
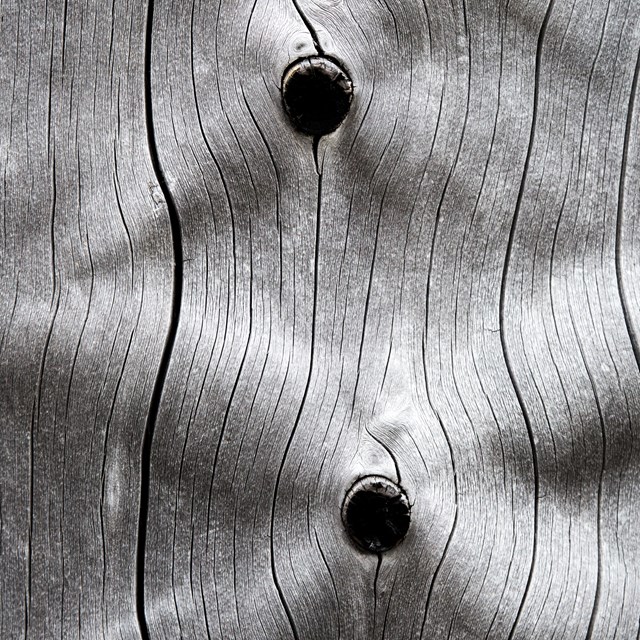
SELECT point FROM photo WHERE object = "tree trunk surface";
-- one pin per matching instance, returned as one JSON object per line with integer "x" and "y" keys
{"x": 212, "y": 325}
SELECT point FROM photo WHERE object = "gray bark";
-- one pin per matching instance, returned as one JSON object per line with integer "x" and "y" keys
{"x": 212, "y": 327}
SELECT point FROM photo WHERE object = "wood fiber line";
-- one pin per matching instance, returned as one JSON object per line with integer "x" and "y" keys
{"x": 85, "y": 306}
{"x": 433, "y": 297}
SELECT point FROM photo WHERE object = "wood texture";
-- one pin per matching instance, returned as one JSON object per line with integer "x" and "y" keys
{"x": 567, "y": 335}
{"x": 444, "y": 291}
{"x": 86, "y": 300}
{"x": 440, "y": 304}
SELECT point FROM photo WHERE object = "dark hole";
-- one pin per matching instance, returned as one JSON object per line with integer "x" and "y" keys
{"x": 316, "y": 94}
{"x": 376, "y": 513}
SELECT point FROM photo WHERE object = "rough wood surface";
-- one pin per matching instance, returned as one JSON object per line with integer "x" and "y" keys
{"x": 85, "y": 307}
{"x": 440, "y": 303}
{"x": 444, "y": 291}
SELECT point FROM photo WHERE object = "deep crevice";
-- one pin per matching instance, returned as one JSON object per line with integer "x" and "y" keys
{"x": 503, "y": 286}
{"x": 176, "y": 236}
{"x": 375, "y": 591}
{"x": 276, "y": 581}
{"x": 310, "y": 28}
{"x": 315, "y": 144}
{"x": 624, "y": 296}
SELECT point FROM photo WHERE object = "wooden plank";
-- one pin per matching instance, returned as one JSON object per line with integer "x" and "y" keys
{"x": 566, "y": 334}
{"x": 86, "y": 301}
{"x": 246, "y": 192}
{"x": 438, "y": 304}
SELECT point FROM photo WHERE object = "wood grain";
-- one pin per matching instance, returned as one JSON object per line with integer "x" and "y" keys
{"x": 438, "y": 303}
{"x": 566, "y": 333}
{"x": 444, "y": 291}
{"x": 86, "y": 300}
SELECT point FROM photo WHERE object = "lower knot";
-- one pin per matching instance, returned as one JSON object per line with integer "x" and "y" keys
{"x": 376, "y": 513}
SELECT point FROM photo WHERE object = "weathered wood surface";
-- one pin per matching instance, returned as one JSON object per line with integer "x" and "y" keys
{"x": 446, "y": 292}
{"x": 86, "y": 304}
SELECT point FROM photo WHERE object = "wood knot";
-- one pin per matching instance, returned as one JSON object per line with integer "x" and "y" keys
{"x": 316, "y": 94}
{"x": 376, "y": 513}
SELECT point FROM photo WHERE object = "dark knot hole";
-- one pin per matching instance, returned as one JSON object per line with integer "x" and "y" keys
{"x": 316, "y": 94}
{"x": 376, "y": 513}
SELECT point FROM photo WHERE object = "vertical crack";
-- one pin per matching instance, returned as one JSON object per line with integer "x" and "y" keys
{"x": 375, "y": 591}
{"x": 503, "y": 287}
{"x": 624, "y": 295}
{"x": 176, "y": 236}
{"x": 315, "y": 143}
{"x": 276, "y": 580}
